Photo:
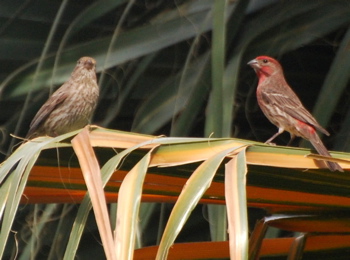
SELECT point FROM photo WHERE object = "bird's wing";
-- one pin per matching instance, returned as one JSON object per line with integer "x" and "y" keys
{"x": 292, "y": 106}
{"x": 55, "y": 100}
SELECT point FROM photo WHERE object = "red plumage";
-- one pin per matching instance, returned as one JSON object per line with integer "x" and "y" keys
{"x": 283, "y": 108}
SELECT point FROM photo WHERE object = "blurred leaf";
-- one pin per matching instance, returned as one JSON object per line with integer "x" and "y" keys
{"x": 130, "y": 45}
{"x": 214, "y": 123}
{"x": 333, "y": 88}
{"x": 170, "y": 99}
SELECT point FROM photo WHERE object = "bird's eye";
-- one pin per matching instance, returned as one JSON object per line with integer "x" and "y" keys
{"x": 265, "y": 61}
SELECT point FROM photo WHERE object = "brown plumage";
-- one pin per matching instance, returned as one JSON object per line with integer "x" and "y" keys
{"x": 283, "y": 108}
{"x": 71, "y": 106}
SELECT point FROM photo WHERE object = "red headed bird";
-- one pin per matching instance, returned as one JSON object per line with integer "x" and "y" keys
{"x": 284, "y": 109}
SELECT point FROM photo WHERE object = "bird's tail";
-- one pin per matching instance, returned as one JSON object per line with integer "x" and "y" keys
{"x": 322, "y": 150}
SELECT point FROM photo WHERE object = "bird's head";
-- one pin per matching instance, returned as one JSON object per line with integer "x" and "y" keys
{"x": 87, "y": 63}
{"x": 85, "y": 69}
{"x": 265, "y": 66}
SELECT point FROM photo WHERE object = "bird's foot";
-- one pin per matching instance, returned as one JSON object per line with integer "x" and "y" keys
{"x": 270, "y": 143}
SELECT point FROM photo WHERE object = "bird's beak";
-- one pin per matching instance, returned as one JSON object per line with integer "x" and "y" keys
{"x": 253, "y": 63}
{"x": 89, "y": 64}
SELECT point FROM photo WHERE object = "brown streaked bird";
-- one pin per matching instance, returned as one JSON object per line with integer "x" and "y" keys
{"x": 283, "y": 108}
{"x": 71, "y": 106}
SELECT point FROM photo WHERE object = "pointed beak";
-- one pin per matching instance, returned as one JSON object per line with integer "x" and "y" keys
{"x": 253, "y": 63}
{"x": 89, "y": 64}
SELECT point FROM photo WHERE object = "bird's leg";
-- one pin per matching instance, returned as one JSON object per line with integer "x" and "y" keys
{"x": 291, "y": 139}
{"x": 280, "y": 131}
